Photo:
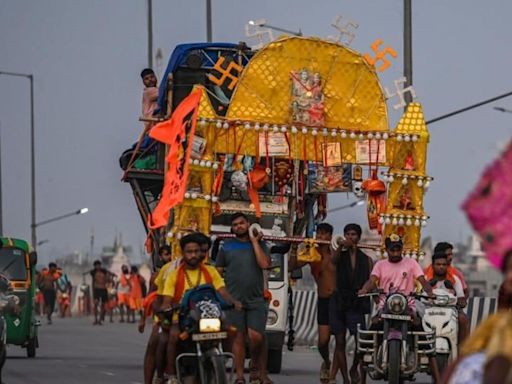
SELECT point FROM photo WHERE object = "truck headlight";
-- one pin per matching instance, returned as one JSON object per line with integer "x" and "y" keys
{"x": 209, "y": 325}
{"x": 396, "y": 303}
{"x": 272, "y": 317}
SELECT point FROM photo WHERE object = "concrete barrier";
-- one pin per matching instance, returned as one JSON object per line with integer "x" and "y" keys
{"x": 305, "y": 302}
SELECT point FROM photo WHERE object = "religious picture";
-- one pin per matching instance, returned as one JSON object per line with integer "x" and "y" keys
{"x": 367, "y": 152}
{"x": 307, "y": 98}
{"x": 329, "y": 179}
{"x": 331, "y": 154}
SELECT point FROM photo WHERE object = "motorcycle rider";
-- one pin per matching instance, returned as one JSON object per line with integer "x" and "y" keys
{"x": 397, "y": 273}
{"x": 454, "y": 277}
{"x": 190, "y": 274}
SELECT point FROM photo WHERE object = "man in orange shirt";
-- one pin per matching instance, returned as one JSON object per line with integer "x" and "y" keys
{"x": 123, "y": 293}
{"x": 447, "y": 249}
{"x": 136, "y": 299}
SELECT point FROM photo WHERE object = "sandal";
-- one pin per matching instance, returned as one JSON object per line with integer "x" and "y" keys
{"x": 325, "y": 372}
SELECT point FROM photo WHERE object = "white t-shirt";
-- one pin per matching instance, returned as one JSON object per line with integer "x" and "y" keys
{"x": 459, "y": 290}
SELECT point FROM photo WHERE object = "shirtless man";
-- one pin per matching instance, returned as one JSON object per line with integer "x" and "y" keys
{"x": 324, "y": 273}
{"x": 100, "y": 278}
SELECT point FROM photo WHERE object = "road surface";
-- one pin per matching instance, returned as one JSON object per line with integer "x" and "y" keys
{"x": 73, "y": 351}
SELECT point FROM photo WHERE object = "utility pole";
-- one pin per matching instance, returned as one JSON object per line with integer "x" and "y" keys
{"x": 1, "y": 211}
{"x": 209, "y": 21}
{"x": 32, "y": 162}
{"x": 91, "y": 253}
{"x": 32, "y": 152}
{"x": 150, "y": 33}
{"x": 407, "y": 49}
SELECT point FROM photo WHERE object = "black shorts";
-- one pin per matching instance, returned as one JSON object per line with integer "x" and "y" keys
{"x": 100, "y": 294}
{"x": 322, "y": 310}
{"x": 341, "y": 319}
{"x": 49, "y": 296}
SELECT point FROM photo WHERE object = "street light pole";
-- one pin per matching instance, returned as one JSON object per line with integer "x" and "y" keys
{"x": 1, "y": 211}
{"x": 407, "y": 50}
{"x": 209, "y": 21}
{"x": 150, "y": 33}
{"x": 32, "y": 152}
{"x": 263, "y": 23}
{"x": 77, "y": 212}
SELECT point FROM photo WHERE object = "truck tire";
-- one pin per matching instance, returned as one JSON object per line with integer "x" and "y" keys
{"x": 394, "y": 347}
{"x": 31, "y": 347}
{"x": 274, "y": 360}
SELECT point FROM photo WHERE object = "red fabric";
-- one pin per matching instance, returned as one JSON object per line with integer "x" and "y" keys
{"x": 173, "y": 132}
{"x": 148, "y": 302}
{"x": 180, "y": 281}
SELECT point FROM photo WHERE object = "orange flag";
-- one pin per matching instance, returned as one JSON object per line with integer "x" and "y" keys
{"x": 177, "y": 133}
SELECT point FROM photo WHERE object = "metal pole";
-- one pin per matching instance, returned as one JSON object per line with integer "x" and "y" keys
{"x": 1, "y": 212}
{"x": 32, "y": 162}
{"x": 209, "y": 21}
{"x": 407, "y": 49}
{"x": 150, "y": 33}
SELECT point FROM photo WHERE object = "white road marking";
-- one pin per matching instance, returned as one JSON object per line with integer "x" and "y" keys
{"x": 108, "y": 373}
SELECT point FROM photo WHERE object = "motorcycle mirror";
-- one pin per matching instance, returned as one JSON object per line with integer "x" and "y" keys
{"x": 32, "y": 257}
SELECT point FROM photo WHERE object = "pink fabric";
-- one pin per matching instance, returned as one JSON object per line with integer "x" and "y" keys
{"x": 399, "y": 277}
{"x": 149, "y": 101}
{"x": 489, "y": 207}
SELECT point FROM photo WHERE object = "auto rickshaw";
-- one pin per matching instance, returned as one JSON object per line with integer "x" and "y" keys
{"x": 17, "y": 263}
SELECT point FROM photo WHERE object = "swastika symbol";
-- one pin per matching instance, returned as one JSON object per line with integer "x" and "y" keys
{"x": 260, "y": 34}
{"x": 380, "y": 55}
{"x": 226, "y": 73}
{"x": 344, "y": 30}
{"x": 400, "y": 92}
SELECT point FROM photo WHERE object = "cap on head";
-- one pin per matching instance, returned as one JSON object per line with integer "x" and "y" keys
{"x": 146, "y": 71}
{"x": 394, "y": 241}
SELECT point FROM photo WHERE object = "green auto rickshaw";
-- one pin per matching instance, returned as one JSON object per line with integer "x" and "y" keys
{"x": 18, "y": 263}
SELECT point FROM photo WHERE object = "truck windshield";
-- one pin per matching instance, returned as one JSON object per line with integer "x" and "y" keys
{"x": 276, "y": 272}
{"x": 12, "y": 263}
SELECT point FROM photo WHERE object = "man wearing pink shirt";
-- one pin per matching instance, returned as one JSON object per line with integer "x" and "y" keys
{"x": 398, "y": 274}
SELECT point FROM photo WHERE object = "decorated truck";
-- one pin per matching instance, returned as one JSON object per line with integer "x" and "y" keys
{"x": 272, "y": 133}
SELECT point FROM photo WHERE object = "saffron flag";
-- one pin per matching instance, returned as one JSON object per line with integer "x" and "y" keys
{"x": 177, "y": 133}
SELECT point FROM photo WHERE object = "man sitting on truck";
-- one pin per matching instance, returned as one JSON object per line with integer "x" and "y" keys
{"x": 190, "y": 274}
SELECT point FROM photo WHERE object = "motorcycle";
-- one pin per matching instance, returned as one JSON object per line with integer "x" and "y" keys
{"x": 9, "y": 304}
{"x": 441, "y": 315}
{"x": 397, "y": 352}
{"x": 203, "y": 326}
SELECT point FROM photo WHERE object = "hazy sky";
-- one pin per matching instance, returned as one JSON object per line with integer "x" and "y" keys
{"x": 86, "y": 57}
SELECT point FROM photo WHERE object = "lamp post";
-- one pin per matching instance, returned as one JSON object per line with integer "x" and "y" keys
{"x": 263, "y": 23}
{"x": 32, "y": 152}
{"x": 77, "y": 212}
{"x": 351, "y": 205}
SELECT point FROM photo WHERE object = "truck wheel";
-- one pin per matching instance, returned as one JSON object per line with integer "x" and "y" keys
{"x": 394, "y": 361}
{"x": 31, "y": 347}
{"x": 274, "y": 360}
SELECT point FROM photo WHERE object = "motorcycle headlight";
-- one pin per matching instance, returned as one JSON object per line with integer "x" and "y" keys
{"x": 396, "y": 303}
{"x": 272, "y": 317}
{"x": 209, "y": 325}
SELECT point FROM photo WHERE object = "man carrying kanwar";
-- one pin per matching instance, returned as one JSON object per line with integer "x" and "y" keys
{"x": 242, "y": 260}
{"x": 324, "y": 273}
